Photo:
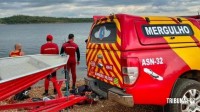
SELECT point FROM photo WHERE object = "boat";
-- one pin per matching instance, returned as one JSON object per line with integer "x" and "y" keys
{"x": 19, "y": 73}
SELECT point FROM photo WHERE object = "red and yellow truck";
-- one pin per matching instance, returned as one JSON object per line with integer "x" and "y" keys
{"x": 145, "y": 60}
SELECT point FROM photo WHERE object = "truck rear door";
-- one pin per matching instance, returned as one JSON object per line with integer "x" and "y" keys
{"x": 103, "y": 52}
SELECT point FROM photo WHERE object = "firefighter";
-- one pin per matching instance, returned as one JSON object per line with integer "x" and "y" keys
{"x": 71, "y": 48}
{"x": 49, "y": 48}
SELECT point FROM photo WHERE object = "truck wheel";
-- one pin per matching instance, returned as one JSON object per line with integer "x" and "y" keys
{"x": 186, "y": 89}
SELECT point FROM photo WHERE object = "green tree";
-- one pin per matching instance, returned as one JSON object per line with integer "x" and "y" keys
{"x": 23, "y": 19}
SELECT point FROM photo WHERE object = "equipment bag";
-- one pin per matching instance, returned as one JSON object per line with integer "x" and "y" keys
{"x": 22, "y": 95}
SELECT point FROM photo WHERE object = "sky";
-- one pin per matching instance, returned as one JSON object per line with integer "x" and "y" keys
{"x": 88, "y": 8}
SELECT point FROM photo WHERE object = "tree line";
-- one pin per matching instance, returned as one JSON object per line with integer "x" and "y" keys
{"x": 23, "y": 19}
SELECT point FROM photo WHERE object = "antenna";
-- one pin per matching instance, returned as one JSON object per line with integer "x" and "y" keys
{"x": 198, "y": 13}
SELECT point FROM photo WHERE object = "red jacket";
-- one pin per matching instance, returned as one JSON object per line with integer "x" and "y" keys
{"x": 70, "y": 48}
{"x": 49, "y": 48}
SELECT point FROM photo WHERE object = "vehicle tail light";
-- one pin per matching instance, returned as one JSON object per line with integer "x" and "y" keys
{"x": 130, "y": 70}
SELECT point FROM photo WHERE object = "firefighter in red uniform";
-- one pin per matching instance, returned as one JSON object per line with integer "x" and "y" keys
{"x": 70, "y": 48}
{"x": 49, "y": 48}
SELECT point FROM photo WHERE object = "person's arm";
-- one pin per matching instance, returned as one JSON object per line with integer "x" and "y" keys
{"x": 78, "y": 55}
{"x": 62, "y": 50}
{"x": 21, "y": 53}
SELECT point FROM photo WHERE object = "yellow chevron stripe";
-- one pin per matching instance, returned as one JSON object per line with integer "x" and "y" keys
{"x": 118, "y": 40}
{"x": 102, "y": 46}
{"x": 114, "y": 46}
{"x": 118, "y": 53}
{"x": 106, "y": 81}
{"x": 101, "y": 71}
{"x": 87, "y": 50}
{"x": 96, "y": 60}
{"x": 104, "y": 61}
{"x": 98, "y": 22}
{"x": 89, "y": 53}
{"x": 89, "y": 44}
{"x": 102, "y": 22}
{"x": 158, "y": 18}
{"x": 180, "y": 38}
{"x": 88, "y": 68}
{"x": 178, "y": 45}
{"x": 114, "y": 58}
{"x": 189, "y": 54}
{"x": 96, "y": 46}
{"x": 107, "y": 46}
{"x": 117, "y": 24}
{"x": 108, "y": 20}
{"x": 95, "y": 51}
{"x": 92, "y": 45}
{"x": 195, "y": 29}
{"x": 114, "y": 68}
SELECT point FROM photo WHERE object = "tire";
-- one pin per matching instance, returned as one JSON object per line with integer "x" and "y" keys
{"x": 188, "y": 89}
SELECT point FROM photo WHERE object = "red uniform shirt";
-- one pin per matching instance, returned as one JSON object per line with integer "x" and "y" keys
{"x": 49, "y": 48}
{"x": 71, "y": 48}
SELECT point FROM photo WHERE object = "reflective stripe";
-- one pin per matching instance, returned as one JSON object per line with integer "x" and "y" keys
{"x": 70, "y": 47}
{"x": 50, "y": 49}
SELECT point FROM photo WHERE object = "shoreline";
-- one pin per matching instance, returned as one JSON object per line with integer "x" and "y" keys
{"x": 44, "y": 23}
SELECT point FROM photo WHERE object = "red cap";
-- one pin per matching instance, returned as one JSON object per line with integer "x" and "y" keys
{"x": 49, "y": 37}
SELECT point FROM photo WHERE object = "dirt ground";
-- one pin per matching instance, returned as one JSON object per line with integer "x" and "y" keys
{"x": 101, "y": 106}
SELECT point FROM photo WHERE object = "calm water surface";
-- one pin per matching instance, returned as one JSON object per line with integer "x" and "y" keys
{"x": 32, "y": 36}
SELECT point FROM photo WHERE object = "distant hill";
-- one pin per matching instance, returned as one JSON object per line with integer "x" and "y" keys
{"x": 23, "y": 19}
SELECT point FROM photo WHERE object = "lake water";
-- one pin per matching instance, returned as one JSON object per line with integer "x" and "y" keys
{"x": 32, "y": 36}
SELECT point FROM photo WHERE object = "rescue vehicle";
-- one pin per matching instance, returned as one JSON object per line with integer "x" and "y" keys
{"x": 145, "y": 60}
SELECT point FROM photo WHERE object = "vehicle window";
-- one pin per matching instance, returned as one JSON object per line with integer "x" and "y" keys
{"x": 104, "y": 33}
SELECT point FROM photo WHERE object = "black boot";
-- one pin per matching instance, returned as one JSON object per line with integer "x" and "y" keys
{"x": 45, "y": 93}
{"x": 73, "y": 91}
{"x": 55, "y": 91}
{"x": 73, "y": 86}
